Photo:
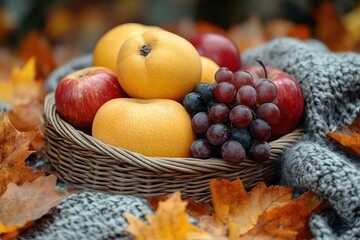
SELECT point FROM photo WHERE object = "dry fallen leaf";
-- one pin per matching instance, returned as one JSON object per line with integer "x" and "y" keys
{"x": 280, "y": 223}
{"x": 351, "y": 21}
{"x": 25, "y": 94}
{"x": 8, "y": 60}
{"x": 36, "y": 46}
{"x": 262, "y": 213}
{"x": 22, "y": 86}
{"x": 169, "y": 222}
{"x": 286, "y": 222}
{"x": 14, "y": 150}
{"x": 348, "y": 136}
{"x": 280, "y": 27}
{"x": 193, "y": 208}
{"x": 240, "y": 210}
{"x": 21, "y": 205}
{"x": 30, "y": 117}
{"x": 329, "y": 22}
{"x": 249, "y": 33}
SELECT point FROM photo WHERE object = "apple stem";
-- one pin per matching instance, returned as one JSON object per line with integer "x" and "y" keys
{"x": 145, "y": 50}
{"x": 263, "y": 66}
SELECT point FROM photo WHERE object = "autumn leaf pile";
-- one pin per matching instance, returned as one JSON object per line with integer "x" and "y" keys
{"x": 25, "y": 194}
{"x": 262, "y": 213}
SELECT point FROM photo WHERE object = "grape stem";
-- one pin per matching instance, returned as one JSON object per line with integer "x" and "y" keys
{"x": 263, "y": 66}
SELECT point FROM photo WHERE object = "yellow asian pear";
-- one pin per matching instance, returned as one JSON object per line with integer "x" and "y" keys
{"x": 209, "y": 68}
{"x": 152, "y": 127}
{"x": 107, "y": 48}
{"x": 158, "y": 64}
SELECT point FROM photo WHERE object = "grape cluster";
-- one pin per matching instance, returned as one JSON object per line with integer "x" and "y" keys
{"x": 232, "y": 116}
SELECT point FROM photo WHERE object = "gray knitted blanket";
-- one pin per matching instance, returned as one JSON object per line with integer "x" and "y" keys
{"x": 331, "y": 86}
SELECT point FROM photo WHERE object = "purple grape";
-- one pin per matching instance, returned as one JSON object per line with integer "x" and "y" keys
{"x": 241, "y": 135}
{"x": 217, "y": 134}
{"x": 266, "y": 90}
{"x": 241, "y": 116}
{"x": 218, "y": 113}
{"x": 223, "y": 74}
{"x": 259, "y": 130}
{"x": 194, "y": 103}
{"x": 200, "y": 122}
{"x": 206, "y": 91}
{"x": 225, "y": 92}
{"x": 246, "y": 95}
{"x": 259, "y": 151}
{"x": 242, "y": 78}
{"x": 233, "y": 152}
{"x": 269, "y": 112}
{"x": 201, "y": 148}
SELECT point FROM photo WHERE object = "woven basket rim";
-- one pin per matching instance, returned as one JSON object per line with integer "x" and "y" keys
{"x": 160, "y": 164}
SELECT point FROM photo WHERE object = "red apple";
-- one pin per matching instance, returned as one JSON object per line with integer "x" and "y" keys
{"x": 80, "y": 94}
{"x": 290, "y": 100}
{"x": 219, "y": 48}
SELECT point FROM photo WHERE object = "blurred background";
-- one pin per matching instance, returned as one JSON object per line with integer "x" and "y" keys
{"x": 59, "y": 30}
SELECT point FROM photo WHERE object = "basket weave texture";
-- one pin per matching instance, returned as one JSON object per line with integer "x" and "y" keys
{"x": 86, "y": 162}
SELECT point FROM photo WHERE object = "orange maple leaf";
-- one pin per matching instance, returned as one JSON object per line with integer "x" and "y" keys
{"x": 14, "y": 150}
{"x": 28, "y": 118}
{"x": 348, "y": 136}
{"x": 280, "y": 223}
{"x": 240, "y": 210}
{"x": 35, "y": 45}
{"x": 21, "y": 205}
{"x": 170, "y": 222}
{"x": 21, "y": 87}
{"x": 25, "y": 94}
{"x": 244, "y": 212}
{"x": 193, "y": 208}
{"x": 262, "y": 213}
{"x": 329, "y": 22}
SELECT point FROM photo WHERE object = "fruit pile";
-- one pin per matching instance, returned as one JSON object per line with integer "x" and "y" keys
{"x": 158, "y": 94}
{"x": 231, "y": 117}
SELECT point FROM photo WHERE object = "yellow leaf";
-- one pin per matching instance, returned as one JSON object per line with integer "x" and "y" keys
{"x": 169, "y": 222}
{"x": 351, "y": 21}
{"x": 215, "y": 230}
{"x": 194, "y": 209}
{"x": 22, "y": 86}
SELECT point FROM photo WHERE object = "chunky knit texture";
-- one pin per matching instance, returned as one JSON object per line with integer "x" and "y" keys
{"x": 89, "y": 215}
{"x": 331, "y": 86}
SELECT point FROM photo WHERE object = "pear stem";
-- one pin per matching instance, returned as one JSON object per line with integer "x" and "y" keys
{"x": 145, "y": 50}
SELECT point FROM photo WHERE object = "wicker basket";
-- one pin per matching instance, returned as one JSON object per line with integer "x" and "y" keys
{"x": 86, "y": 162}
